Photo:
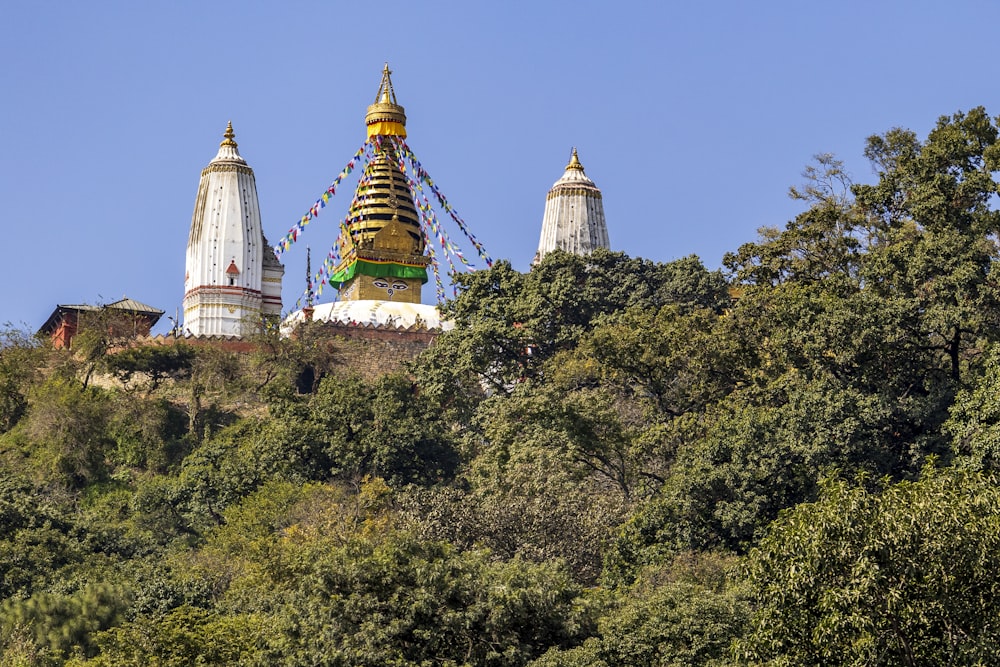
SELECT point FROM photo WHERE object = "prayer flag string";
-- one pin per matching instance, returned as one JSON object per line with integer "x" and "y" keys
{"x": 422, "y": 174}
{"x": 293, "y": 234}
{"x": 431, "y": 230}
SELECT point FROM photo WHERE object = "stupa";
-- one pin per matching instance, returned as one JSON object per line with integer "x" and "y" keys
{"x": 383, "y": 253}
{"x": 382, "y": 256}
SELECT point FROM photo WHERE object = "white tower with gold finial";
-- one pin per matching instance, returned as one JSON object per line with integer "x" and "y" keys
{"x": 574, "y": 215}
{"x": 232, "y": 278}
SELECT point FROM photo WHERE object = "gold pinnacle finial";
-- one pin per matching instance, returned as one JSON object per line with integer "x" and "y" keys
{"x": 228, "y": 141}
{"x": 385, "y": 116}
{"x": 574, "y": 161}
{"x": 386, "y": 95}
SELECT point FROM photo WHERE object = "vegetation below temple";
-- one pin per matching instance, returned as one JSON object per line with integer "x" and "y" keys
{"x": 607, "y": 462}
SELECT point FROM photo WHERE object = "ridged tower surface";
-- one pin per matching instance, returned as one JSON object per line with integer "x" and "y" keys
{"x": 382, "y": 256}
{"x": 232, "y": 278}
{"x": 386, "y": 196}
{"x": 574, "y": 215}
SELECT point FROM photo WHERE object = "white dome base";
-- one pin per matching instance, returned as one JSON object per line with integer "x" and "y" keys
{"x": 381, "y": 314}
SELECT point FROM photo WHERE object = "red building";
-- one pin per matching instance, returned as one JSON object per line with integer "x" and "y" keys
{"x": 126, "y": 318}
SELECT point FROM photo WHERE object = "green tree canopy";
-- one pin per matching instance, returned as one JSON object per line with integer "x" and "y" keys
{"x": 902, "y": 575}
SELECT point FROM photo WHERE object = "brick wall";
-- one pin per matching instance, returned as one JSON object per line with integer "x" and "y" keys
{"x": 372, "y": 352}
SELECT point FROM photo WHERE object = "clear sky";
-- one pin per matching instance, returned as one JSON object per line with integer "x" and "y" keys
{"x": 693, "y": 118}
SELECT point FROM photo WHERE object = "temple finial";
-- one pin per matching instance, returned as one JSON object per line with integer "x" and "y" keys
{"x": 386, "y": 94}
{"x": 385, "y": 116}
{"x": 574, "y": 161}
{"x": 229, "y": 135}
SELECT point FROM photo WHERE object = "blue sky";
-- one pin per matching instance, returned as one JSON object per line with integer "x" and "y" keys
{"x": 693, "y": 118}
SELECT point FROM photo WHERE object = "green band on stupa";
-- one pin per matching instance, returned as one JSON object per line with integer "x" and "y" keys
{"x": 379, "y": 270}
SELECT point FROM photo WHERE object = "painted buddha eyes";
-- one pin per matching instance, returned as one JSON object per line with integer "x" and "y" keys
{"x": 390, "y": 287}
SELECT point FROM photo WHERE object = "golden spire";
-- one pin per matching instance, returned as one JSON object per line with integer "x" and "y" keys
{"x": 574, "y": 161}
{"x": 385, "y": 116}
{"x": 385, "y": 92}
{"x": 228, "y": 141}
{"x": 385, "y": 241}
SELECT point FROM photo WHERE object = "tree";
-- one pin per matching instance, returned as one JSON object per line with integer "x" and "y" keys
{"x": 101, "y": 330}
{"x": 581, "y": 432}
{"x": 320, "y": 574}
{"x": 298, "y": 360}
{"x": 534, "y": 509}
{"x": 21, "y": 358}
{"x": 974, "y": 422}
{"x": 380, "y": 429}
{"x": 903, "y": 574}
{"x": 215, "y": 374}
{"x": 232, "y": 464}
{"x": 18, "y": 649}
{"x": 66, "y": 624}
{"x": 825, "y": 241}
{"x": 685, "y": 614}
{"x": 400, "y": 600}
{"x": 149, "y": 433}
{"x": 154, "y": 362}
{"x": 664, "y": 363}
{"x": 37, "y": 537}
{"x": 185, "y": 636}
{"x": 509, "y": 324}
{"x": 808, "y": 377}
{"x": 933, "y": 222}
{"x": 67, "y": 429}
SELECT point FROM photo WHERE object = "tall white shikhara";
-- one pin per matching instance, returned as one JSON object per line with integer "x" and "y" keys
{"x": 232, "y": 278}
{"x": 574, "y": 215}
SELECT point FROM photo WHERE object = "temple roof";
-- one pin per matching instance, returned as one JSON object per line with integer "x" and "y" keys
{"x": 574, "y": 175}
{"x": 229, "y": 149}
{"x": 134, "y": 306}
{"x": 125, "y": 304}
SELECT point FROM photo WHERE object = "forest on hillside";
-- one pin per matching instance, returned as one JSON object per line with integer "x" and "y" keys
{"x": 608, "y": 462}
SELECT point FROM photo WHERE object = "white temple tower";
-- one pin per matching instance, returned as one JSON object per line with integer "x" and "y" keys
{"x": 232, "y": 279}
{"x": 574, "y": 215}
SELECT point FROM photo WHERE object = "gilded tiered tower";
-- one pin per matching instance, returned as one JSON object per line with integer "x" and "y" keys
{"x": 574, "y": 215}
{"x": 382, "y": 256}
{"x": 232, "y": 278}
